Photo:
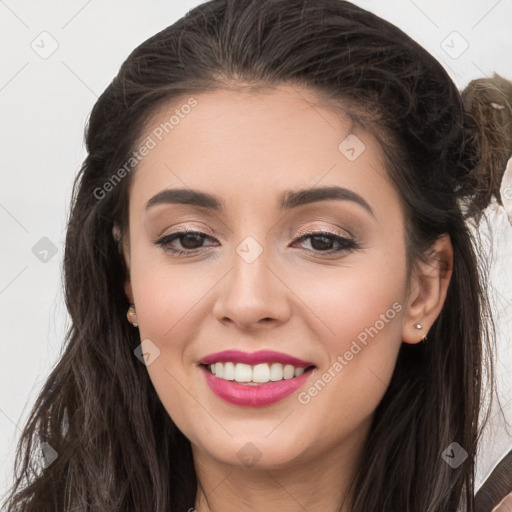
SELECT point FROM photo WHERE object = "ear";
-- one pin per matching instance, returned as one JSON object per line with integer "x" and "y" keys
{"x": 128, "y": 290}
{"x": 125, "y": 252}
{"x": 427, "y": 290}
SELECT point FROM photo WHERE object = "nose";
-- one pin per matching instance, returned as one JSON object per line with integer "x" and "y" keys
{"x": 252, "y": 295}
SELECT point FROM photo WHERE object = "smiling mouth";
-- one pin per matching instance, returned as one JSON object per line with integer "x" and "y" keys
{"x": 254, "y": 375}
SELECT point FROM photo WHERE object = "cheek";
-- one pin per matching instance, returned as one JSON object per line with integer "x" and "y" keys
{"x": 168, "y": 296}
{"x": 361, "y": 301}
{"x": 358, "y": 327}
{"x": 170, "y": 302}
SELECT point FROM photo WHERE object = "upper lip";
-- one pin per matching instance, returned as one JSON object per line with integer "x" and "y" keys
{"x": 252, "y": 358}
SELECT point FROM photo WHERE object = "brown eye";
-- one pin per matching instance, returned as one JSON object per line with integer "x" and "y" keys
{"x": 323, "y": 241}
{"x": 190, "y": 241}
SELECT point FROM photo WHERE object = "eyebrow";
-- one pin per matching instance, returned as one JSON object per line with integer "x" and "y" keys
{"x": 288, "y": 200}
{"x": 186, "y": 196}
{"x": 292, "y": 199}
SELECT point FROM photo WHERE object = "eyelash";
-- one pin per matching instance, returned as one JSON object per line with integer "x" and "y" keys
{"x": 347, "y": 244}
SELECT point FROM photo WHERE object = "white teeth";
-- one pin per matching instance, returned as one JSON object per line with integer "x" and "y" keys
{"x": 243, "y": 372}
{"x": 299, "y": 372}
{"x": 276, "y": 372}
{"x": 289, "y": 372}
{"x": 261, "y": 373}
{"x": 229, "y": 371}
{"x": 257, "y": 374}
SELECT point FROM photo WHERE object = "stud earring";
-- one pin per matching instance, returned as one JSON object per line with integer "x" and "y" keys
{"x": 131, "y": 315}
{"x": 418, "y": 326}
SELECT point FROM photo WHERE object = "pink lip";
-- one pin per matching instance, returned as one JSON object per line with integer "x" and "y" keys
{"x": 263, "y": 356}
{"x": 254, "y": 396}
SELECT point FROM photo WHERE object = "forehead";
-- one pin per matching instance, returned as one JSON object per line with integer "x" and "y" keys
{"x": 247, "y": 145}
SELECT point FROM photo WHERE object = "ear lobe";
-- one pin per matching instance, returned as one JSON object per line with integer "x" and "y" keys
{"x": 428, "y": 290}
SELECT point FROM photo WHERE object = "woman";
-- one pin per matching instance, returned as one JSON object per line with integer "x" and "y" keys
{"x": 275, "y": 300}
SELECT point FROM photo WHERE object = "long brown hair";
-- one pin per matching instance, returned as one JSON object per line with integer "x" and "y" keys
{"x": 118, "y": 449}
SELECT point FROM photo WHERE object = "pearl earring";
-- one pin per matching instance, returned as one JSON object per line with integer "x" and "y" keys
{"x": 131, "y": 315}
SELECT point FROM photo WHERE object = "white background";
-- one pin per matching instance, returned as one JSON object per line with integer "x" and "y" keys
{"x": 44, "y": 107}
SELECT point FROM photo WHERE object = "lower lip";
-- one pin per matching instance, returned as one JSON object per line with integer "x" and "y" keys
{"x": 254, "y": 395}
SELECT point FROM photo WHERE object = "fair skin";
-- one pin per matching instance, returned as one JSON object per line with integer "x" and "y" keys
{"x": 247, "y": 148}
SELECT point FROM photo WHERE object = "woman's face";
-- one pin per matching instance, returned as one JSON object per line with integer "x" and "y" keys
{"x": 252, "y": 281}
